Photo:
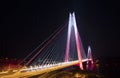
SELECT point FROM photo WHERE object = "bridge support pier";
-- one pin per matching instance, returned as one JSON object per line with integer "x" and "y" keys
{"x": 90, "y": 65}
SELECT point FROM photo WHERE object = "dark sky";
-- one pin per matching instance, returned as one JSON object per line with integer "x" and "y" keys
{"x": 24, "y": 24}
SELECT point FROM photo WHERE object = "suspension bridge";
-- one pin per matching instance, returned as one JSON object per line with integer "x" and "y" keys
{"x": 62, "y": 49}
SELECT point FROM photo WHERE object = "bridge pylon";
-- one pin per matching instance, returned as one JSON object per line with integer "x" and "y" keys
{"x": 72, "y": 24}
{"x": 90, "y": 63}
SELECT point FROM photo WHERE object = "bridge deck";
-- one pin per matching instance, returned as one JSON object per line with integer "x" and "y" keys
{"x": 41, "y": 71}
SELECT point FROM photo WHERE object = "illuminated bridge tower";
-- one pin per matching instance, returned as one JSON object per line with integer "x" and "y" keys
{"x": 90, "y": 63}
{"x": 72, "y": 24}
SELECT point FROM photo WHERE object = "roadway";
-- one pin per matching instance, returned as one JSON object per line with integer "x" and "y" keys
{"x": 34, "y": 72}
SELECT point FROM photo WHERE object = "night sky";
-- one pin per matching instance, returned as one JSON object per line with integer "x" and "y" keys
{"x": 24, "y": 24}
